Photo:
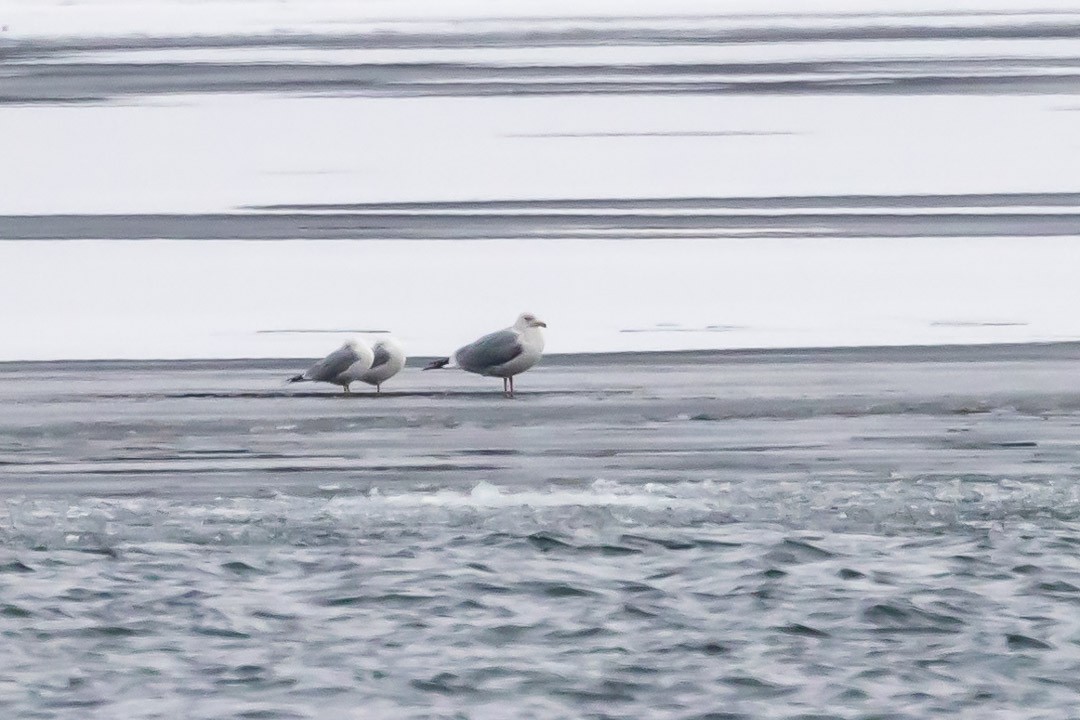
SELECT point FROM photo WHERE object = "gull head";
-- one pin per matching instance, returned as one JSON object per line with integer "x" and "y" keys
{"x": 388, "y": 342}
{"x": 528, "y": 320}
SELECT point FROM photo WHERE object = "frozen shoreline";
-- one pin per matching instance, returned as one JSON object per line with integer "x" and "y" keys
{"x": 1068, "y": 350}
{"x": 192, "y": 299}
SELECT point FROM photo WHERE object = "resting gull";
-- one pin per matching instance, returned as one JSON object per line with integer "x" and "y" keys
{"x": 503, "y": 353}
{"x": 389, "y": 359}
{"x": 341, "y": 367}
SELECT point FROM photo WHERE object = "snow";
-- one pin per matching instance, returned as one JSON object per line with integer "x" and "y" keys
{"x": 191, "y": 299}
{"x": 220, "y": 153}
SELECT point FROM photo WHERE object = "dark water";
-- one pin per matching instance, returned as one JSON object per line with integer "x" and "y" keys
{"x": 60, "y": 70}
{"x": 816, "y": 534}
{"x": 862, "y": 217}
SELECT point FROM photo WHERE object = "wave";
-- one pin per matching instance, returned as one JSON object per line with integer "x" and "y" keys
{"x": 602, "y": 518}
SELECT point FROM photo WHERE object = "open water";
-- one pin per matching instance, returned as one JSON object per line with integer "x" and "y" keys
{"x": 825, "y": 534}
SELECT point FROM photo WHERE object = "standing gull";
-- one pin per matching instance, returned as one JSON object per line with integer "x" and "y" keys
{"x": 503, "y": 353}
{"x": 340, "y": 367}
{"x": 389, "y": 359}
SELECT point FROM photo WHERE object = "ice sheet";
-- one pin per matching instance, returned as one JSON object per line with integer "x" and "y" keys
{"x": 137, "y": 299}
{"x": 217, "y": 153}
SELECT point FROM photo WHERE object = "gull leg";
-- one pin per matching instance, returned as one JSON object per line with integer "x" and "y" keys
{"x": 347, "y": 391}
{"x": 378, "y": 387}
{"x": 511, "y": 386}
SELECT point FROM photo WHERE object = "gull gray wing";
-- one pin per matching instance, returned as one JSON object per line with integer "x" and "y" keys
{"x": 382, "y": 355}
{"x": 489, "y": 351}
{"x": 337, "y": 362}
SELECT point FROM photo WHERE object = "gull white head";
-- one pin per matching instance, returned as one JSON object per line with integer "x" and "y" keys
{"x": 528, "y": 320}
{"x": 390, "y": 343}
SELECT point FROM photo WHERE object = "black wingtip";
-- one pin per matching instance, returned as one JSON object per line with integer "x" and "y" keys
{"x": 296, "y": 378}
{"x": 437, "y": 364}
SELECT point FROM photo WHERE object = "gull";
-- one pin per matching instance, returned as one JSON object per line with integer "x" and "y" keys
{"x": 389, "y": 359}
{"x": 503, "y": 353}
{"x": 341, "y": 367}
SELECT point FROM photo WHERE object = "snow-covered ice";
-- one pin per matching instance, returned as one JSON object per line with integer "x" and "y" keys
{"x": 220, "y": 153}
{"x": 231, "y": 152}
{"x": 175, "y": 299}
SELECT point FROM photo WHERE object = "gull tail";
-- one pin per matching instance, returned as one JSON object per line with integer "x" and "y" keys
{"x": 437, "y": 364}
{"x": 297, "y": 378}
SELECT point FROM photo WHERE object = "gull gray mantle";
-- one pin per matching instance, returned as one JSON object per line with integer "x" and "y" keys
{"x": 341, "y": 367}
{"x": 503, "y": 353}
{"x": 389, "y": 359}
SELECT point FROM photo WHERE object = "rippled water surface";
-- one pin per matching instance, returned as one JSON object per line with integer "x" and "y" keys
{"x": 842, "y": 534}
